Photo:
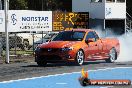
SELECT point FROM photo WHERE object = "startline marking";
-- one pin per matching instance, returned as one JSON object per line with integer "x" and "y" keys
{"x": 107, "y": 87}
{"x": 60, "y": 74}
{"x": 61, "y": 83}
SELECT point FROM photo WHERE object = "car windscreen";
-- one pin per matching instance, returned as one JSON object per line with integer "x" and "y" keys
{"x": 70, "y": 36}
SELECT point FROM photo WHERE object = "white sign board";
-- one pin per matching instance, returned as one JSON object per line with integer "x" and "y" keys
{"x": 115, "y": 11}
{"x": 2, "y": 21}
{"x": 25, "y": 20}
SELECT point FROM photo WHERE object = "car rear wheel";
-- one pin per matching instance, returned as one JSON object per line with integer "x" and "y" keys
{"x": 42, "y": 63}
{"x": 80, "y": 57}
{"x": 112, "y": 56}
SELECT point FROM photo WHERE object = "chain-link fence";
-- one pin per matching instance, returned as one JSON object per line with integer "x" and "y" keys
{"x": 22, "y": 45}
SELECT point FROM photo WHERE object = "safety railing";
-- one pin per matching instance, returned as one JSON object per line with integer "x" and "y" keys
{"x": 128, "y": 23}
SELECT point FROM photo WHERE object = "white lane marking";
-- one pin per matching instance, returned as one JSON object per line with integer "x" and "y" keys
{"x": 101, "y": 67}
{"x": 107, "y": 87}
{"x": 61, "y": 83}
{"x": 60, "y": 74}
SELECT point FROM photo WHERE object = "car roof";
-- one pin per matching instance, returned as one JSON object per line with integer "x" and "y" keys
{"x": 83, "y": 30}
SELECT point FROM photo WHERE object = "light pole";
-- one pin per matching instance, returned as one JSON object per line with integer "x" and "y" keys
{"x": 42, "y": 5}
{"x": 0, "y": 5}
{"x": 6, "y": 7}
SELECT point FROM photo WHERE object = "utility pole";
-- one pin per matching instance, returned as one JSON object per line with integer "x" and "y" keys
{"x": 0, "y": 5}
{"x": 42, "y": 5}
{"x": 6, "y": 7}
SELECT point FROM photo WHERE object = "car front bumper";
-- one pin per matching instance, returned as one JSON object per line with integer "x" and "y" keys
{"x": 55, "y": 56}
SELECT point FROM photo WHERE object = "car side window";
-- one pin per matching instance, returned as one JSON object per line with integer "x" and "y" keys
{"x": 90, "y": 35}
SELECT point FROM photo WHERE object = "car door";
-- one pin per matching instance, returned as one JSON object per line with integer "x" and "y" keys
{"x": 92, "y": 47}
{"x": 99, "y": 53}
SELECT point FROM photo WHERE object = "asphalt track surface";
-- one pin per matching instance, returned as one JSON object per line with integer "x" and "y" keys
{"x": 29, "y": 70}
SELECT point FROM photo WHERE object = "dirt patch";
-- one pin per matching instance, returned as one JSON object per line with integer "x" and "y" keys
{"x": 18, "y": 59}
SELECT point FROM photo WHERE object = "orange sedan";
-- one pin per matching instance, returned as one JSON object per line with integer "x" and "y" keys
{"x": 77, "y": 45}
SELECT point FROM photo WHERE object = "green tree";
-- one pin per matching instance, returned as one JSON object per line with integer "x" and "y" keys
{"x": 48, "y": 5}
{"x": 18, "y": 4}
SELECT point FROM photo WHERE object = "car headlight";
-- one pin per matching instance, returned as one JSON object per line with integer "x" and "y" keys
{"x": 67, "y": 49}
{"x": 37, "y": 49}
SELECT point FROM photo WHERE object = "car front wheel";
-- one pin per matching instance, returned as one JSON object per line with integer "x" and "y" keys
{"x": 80, "y": 57}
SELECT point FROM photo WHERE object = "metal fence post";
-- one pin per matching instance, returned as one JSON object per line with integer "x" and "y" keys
{"x": 33, "y": 43}
{"x": 6, "y": 2}
{"x": 15, "y": 44}
{"x": 42, "y": 36}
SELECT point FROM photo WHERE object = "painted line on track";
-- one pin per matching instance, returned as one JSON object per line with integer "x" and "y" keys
{"x": 61, "y": 83}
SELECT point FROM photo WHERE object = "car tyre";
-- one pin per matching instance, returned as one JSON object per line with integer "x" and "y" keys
{"x": 80, "y": 57}
{"x": 42, "y": 63}
{"x": 112, "y": 56}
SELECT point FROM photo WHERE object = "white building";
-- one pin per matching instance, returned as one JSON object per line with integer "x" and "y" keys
{"x": 104, "y": 13}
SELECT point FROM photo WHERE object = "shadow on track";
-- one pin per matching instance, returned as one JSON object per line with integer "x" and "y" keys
{"x": 65, "y": 64}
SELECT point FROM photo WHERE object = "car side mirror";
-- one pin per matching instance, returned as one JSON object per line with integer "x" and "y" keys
{"x": 48, "y": 40}
{"x": 89, "y": 40}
